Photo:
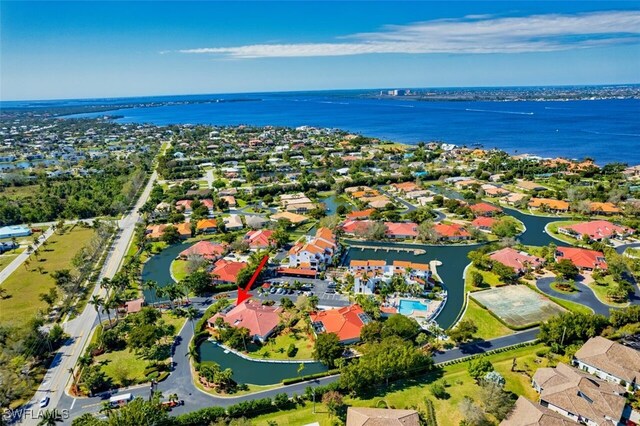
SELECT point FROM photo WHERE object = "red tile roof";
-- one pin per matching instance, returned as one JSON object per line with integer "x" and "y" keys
{"x": 582, "y": 258}
{"x": 355, "y": 226}
{"x": 515, "y": 259}
{"x": 408, "y": 229}
{"x": 360, "y": 214}
{"x": 259, "y": 319}
{"x": 206, "y": 249}
{"x": 298, "y": 271}
{"x": 259, "y": 239}
{"x": 481, "y": 209}
{"x": 599, "y": 229}
{"x": 483, "y": 222}
{"x": 450, "y": 231}
{"x": 345, "y": 322}
{"x": 226, "y": 270}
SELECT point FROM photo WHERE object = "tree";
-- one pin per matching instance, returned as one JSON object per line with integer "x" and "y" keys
{"x": 477, "y": 280}
{"x": 479, "y": 367}
{"x": 480, "y": 260}
{"x": 327, "y": 349}
{"x": 473, "y": 414}
{"x": 333, "y": 401}
{"x": 496, "y": 401}
{"x": 505, "y": 226}
{"x": 438, "y": 390}
{"x": 401, "y": 326}
{"x": 566, "y": 269}
{"x": 170, "y": 235}
{"x": 199, "y": 282}
{"x": 426, "y": 233}
{"x": 506, "y": 273}
{"x": 97, "y": 301}
{"x": 50, "y": 418}
{"x": 371, "y": 332}
{"x": 191, "y": 313}
{"x": 464, "y": 331}
{"x": 570, "y": 328}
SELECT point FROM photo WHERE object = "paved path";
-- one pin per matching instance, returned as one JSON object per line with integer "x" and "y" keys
{"x": 410, "y": 207}
{"x": 583, "y": 296}
{"x": 79, "y": 329}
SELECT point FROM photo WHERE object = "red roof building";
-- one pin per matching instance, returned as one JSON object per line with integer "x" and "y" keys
{"x": 518, "y": 260}
{"x": 261, "y": 320}
{"x": 485, "y": 209}
{"x": 401, "y": 229}
{"x": 483, "y": 223}
{"x": 206, "y": 249}
{"x": 582, "y": 258}
{"x": 345, "y": 322}
{"x": 356, "y": 226}
{"x": 596, "y": 230}
{"x": 451, "y": 232}
{"x": 360, "y": 214}
{"x": 226, "y": 271}
{"x": 260, "y": 239}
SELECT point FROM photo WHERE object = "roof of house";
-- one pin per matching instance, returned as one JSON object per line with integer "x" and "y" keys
{"x": 184, "y": 228}
{"x": 365, "y": 263}
{"x": 260, "y": 238}
{"x": 527, "y": 413}
{"x": 582, "y": 258}
{"x": 291, "y": 217}
{"x": 528, "y": 185}
{"x": 233, "y": 221}
{"x": 298, "y": 271}
{"x": 402, "y": 228}
{"x": 206, "y": 249}
{"x": 360, "y": 214}
{"x": 405, "y": 264}
{"x": 598, "y": 229}
{"x": 616, "y": 359}
{"x": 549, "y": 202}
{"x": 186, "y": 204}
{"x": 255, "y": 221}
{"x": 483, "y": 221}
{"x": 227, "y": 270}
{"x": 484, "y": 208}
{"x": 259, "y": 319}
{"x": 406, "y": 186}
{"x": 134, "y": 306}
{"x": 156, "y": 231}
{"x": 355, "y": 226}
{"x": 206, "y": 224}
{"x": 363, "y": 416}
{"x": 230, "y": 199}
{"x": 603, "y": 207}
{"x": 581, "y": 393}
{"x": 346, "y": 322}
{"x": 452, "y": 230}
{"x": 515, "y": 259}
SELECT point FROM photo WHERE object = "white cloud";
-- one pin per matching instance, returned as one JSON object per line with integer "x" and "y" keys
{"x": 472, "y": 34}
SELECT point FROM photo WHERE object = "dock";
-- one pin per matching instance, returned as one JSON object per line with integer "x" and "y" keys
{"x": 387, "y": 249}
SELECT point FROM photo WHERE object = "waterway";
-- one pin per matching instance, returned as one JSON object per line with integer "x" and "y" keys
{"x": 158, "y": 269}
{"x": 255, "y": 372}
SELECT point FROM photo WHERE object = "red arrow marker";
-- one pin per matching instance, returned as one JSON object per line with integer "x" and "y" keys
{"x": 243, "y": 293}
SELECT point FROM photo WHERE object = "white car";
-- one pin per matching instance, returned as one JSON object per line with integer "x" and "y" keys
{"x": 44, "y": 402}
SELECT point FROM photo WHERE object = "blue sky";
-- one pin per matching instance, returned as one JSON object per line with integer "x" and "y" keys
{"x": 54, "y": 50}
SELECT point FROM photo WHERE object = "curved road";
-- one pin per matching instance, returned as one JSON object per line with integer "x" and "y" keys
{"x": 584, "y": 296}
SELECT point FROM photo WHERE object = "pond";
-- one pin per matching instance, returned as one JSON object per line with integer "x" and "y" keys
{"x": 158, "y": 269}
{"x": 332, "y": 202}
{"x": 255, "y": 372}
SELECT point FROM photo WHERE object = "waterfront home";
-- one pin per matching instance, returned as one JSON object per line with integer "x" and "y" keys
{"x": 14, "y": 231}
{"x": 451, "y": 232}
{"x": 401, "y": 230}
{"x": 580, "y": 396}
{"x": 364, "y": 416}
{"x": 293, "y": 218}
{"x": 513, "y": 198}
{"x": 596, "y": 230}
{"x": 207, "y": 226}
{"x": 367, "y": 266}
{"x": 345, "y": 322}
{"x": 527, "y": 413}
{"x": 583, "y": 259}
{"x": 360, "y": 214}
{"x": 483, "y": 223}
{"x": 378, "y": 202}
{"x": 296, "y": 203}
{"x": 519, "y": 261}
{"x": 603, "y": 208}
{"x": 549, "y": 204}
{"x": 610, "y": 361}
{"x": 260, "y": 239}
{"x": 155, "y": 232}
{"x": 226, "y": 271}
{"x": 261, "y": 320}
{"x": 233, "y": 222}
{"x": 184, "y": 230}
{"x": 206, "y": 249}
{"x": 314, "y": 253}
{"x": 485, "y": 209}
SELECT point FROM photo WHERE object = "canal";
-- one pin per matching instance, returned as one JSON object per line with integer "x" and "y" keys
{"x": 255, "y": 372}
{"x": 158, "y": 269}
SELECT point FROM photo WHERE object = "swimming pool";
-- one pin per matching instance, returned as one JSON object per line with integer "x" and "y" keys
{"x": 409, "y": 306}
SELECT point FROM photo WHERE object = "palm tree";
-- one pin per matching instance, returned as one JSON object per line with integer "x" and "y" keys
{"x": 193, "y": 353}
{"x": 108, "y": 305}
{"x": 50, "y": 418}
{"x": 96, "y": 301}
{"x": 26, "y": 263}
{"x": 151, "y": 285}
{"x": 73, "y": 377}
{"x": 191, "y": 313}
{"x": 173, "y": 397}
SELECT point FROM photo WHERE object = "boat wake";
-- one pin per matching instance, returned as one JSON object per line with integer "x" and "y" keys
{"x": 498, "y": 112}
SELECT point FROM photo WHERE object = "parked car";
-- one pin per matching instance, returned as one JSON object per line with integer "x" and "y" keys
{"x": 273, "y": 290}
{"x": 44, "y": 402}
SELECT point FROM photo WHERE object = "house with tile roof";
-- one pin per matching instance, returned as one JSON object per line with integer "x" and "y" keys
{"x": 519, "y": 261}
{"x": 260, "y": 239}
{"x": 401, "y": 230}
{"x": 155, "y": 232}
{"x": 580, "y": 396}
{"x": 451, "y": 232}
{"x": 404, "y": 187}
{"x": 207, "y": 226}
{"x": 226, "y": 271}
{"x": 360, "y": 214}
{"x": 184, "y": 229}
{"x": 603, "y": 208}
{"x": 294, "y": 218}
{"x": 557, "y": 206}
{"x": 610, "y": 361}
{"x": 261, "y": 320}
{"x": 184, "y": 206}
{"x": 485, "y": 209}
{"x": 345, "y": 322}
{"x": 527, "y": 413}
{"x": 483, "y": 223}
{"x": 207, "y": 249}
{"x": 314, "y": 253}
{"x": 596, "y": 230}
{"x": 233, "y": 222}
{"x": 255, "y": 221}
{"x": 364, "y": 416}
{"x": 586, "y": 260}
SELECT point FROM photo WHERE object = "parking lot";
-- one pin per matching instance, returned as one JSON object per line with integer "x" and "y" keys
{"x": 323, "y": 289}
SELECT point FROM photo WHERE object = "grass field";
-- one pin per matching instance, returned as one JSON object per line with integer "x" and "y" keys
{"x": 6, "y": 259}
{"x": 412, "y": 392}
{"x": 26, "y": 283}
{"x": 601, "y": 292}
{"x": 488, "y": 326}
{"x": 179, "y": 269}
{"x": 276, "y": 348}
{"x": 490, "y": 278}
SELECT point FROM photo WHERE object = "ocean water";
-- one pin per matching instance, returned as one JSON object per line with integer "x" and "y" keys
{"x": 605, "y": 130}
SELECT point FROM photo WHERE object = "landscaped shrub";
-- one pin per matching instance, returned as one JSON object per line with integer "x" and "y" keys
{"x": 163, "y": 375}
{"x": 201, "y": 417}
{"x": 292, "y": 350}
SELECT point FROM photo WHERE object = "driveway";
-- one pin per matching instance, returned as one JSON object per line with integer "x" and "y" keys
{"x": 583, "y": 296}
{"x": 410, "y": 207}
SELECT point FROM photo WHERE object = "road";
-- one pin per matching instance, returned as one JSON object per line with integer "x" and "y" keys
{"x": 19, "y": 260}
{"x": 79, "y": 329}
{"x": 409, "y": 207}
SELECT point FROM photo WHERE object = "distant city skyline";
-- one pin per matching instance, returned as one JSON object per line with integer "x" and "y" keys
{"x": 65, "y": 50}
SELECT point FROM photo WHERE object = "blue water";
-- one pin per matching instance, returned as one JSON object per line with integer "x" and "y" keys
{"x": 408, "y": 306}
{"x": 606, "y": 130}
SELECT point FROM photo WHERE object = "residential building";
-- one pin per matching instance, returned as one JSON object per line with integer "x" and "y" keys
{"x": 364, "y": 416}
{"x": 557, "y": 206}
{"x": 345, "y": 322}
{"x": 596, "y": 230}
{"x": 14, "y": 231}
{"x": 360, "y": 214}
{"x": 260, "y": 239}
{"x": 519, "y": 261}
{"x": 294, "y": 218}
{"x": 226, "y": 271}
{"x": 316, "y": 252}
{"x": 207, "y": 249}
{"x": 261, "y": 320}
{"x": 451, "y": 232}
{"x": 603, "y": 208}
{"x": 527, "y": 413}
{"x": 207, "y": 226}
{"x": 610, "y": 361}
{"x": 155, "y": 232}
{"x": 184, "y": 230}
{"x": 485, "y": 209}
{"x": 483, "y": 223}
{"x": 233, "y": 222}
{"x": 401, "y": 230}
{"x": 255, "y": 222}
{"x": 584, "y": 259}
{"x": 404, "y": 187}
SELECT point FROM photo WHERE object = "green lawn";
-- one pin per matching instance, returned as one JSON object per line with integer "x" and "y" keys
{"x": 488, "y": 326}
{"x": 241, "y": 203}
{"x": 572, "y": 306}
{"x": 276, "y": 348}
{"x": 412, "y": 392}
{"x": 601, "y": 291}
{"x": 552, "y": 228}
{"x": 489, "y": 278}
{"x": 179, "y": 269}
{"x": 26, "y": 283}
{"x": 554, "y": 286}
{"x": 6, "y": 259}
{"x": 123, "y": 367}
